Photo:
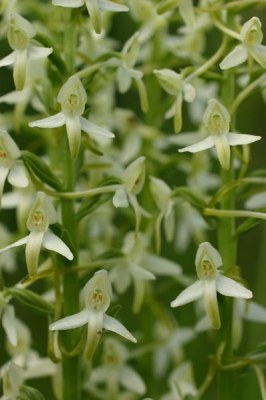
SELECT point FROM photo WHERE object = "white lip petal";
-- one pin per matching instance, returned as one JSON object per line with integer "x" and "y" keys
{"x": 33, "y": 248}
{"x": 74, "y": 134}
{"x": 17, "y": 176}
{"x": 235, "y": 139}
{"x": 55, "y": 121}
{"x": 211, "y": 303}
{"x": 237, "y": 56}
{"x": 229, "y": 287}
{"x": 113, "y": 325}
{"x": 223, "y": 150}
{"x": 71, "y": 322}
{"x": 191, "y": 293}
{"x": 54, "y": 243}
{"x": 203, "y": 145}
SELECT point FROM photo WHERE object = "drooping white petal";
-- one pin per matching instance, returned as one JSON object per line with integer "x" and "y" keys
{"x": 123, "y": 79}
{"x": 132, "y": 381}
{"x": 134, "y": 202}
{"x": 187, "y": 12}
{"x": 20, "y": 66}
{"x": 71, "y": 322}
{"x": 110, "y": 6}
{"x": 55, "y": 121}
{"x": 229, "y": 287}
{"x": 120, "y": 198}
{"x": 74, "y": 134}
{"x": 189, "y": 92}
{"x": 111, "y": 324}
{"x": 33, "y": 248}
{"x": 8, "y": 60}
{"x": 95, "y": 14}
{"x": 54, "y": 243}
{"x": 9, "y": 325}
{"x": 17, "y": 176}
{"x": 37, "y": 52}
{"x": 223, "y": 150}
{"x": 178, "y": 120}
{"x": 191, "y": 293}
{"x": 211, "y": 303}
{"x": 93, "y": 129}
{"x": 235, "y": 139}
{"x": 3, "y": 174}
{"x": 258, "y": 52}
{"x": 68, "y": 3}
{"x": 203, "y": 145}
{"x": 237, "y": 56}
{"x": 95, "y": 326}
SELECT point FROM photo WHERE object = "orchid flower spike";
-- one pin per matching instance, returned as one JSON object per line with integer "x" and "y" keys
{"x": 217, "y": 119}
{"x": 97, "y": 295}
{"x": 173, "y": 83}
{"x": 251, "y": 37}
{"x": 72, "y": 97}
{"x": 19, "y": 37}
{"x": 94, "y": 9}
{"x": 11, "y": 169}
{"x": 211, "y": 281}
{"x": 41, "y": 215}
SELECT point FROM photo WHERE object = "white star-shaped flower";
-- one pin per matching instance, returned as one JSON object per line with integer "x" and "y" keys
{"x": 211, "y": 281}
{"x": 216, "y": 118}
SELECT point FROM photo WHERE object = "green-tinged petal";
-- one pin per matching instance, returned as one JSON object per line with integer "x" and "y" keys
{"x": 110, "y": 6}
{"x": 71, "y": 322}
{"x": 123, "y": 79}
{"x": 178, "y": 112}
{"x": 8, "y": 60}
{"x": 37, "y": 52}
{"x": 95, "y": 14}
{"x": 134, "y": 202}
{"x": 42, "y": 214}
{"x": 189, "y": 92}
{"x": 54, "y": 243}
{"x": 193, "y": 292}
{"x": 93, "y": 129}
{"x": 131, "y": 50}
{"x": 132, "y": 381}
{"x": 68, "y": 3}
{"x": 111, "y": 324}
{"x": 33, "y": 248}
{"x": 169, "y": 224}
{"x": 158, "y": 239}
{"x": 170, "y": 80}
{"x": 251, "y": 33}
{"x": 258, "y": 52}
{"x": 141, "y": 273}
{"x": 9, "y": 325}
{"x": 208, "y": 260}
{"x": 235, "y": 139}
{"x": 134, "y": 176}
{"x": 161, "y": 266}
{"x": 3, "y": 174}
{"x": 237, "y": 56}
{"x": 72, "y": 97}
{"x": 223, "y": 150}
{"x": 187, "y": 12}
{"x": 167, "y": 5}
{"x": 73, "y": 129}
{"x": 229, "y": 287}
{"x": 253, "y": 312}
{"x": 211, "y": 304}
{"x": 120, "y": 278}
{"x": 98, "y": 292}
{"x": 95, "y": 327}
{"x": 55, "y": 121}
{"x": 13, "y": 378}
{"x": 170, "y": 112}
{"x": 200, "y": 146}
{"x": 120, "y": 198}
{"x": 17, "y": 176}
{"x": 20, "y": 66}
{"x": 142, "y": 95}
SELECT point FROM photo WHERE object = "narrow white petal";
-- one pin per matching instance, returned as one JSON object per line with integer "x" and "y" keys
{"x": 191, "y": 293}
{"x": 237, "y": 56}
{"x": 37, "y": 52}
{"x": 94, "y": 130}
{"x": 211, "y": 303}
{"x": 229, "y": 287}
{"x": 54, "y": 243}
{"x": 134, "y": 202}
{"x": 141, "y": 273}
{"x": 120, "y": 198}
{"x": 95, "y": 14}
{"x": 9, "y": 324}
{"x": 95, "y": 327}
{"x": 17, "y": 176}
{"x": 16, "y": 244}
{"x": 132, "y": 381}
{"x": 73, "y": 129}
{"x": 113, "y": 325}
{"x": 55, "y": 121}
{"x": 3, "y": 174}
{"x": 20, "y": 66}
{"x": 71, "y": 322}
{"x": 223, "y": 150}
{"x": 68, "y": 3}
{"x": 189, "y": 92}
{"x": 161, "y": 266}
{"x": 235, "y": 139}
{"x": 187, "y": 13}
{"x": 39, "y": 368}
{"x": 110, "y": 6}
{"x": 258, "y": 52}
{"x": 203, "y": 145}
{"x": 123, "y": 79}
{"x": 254, "y": 312}
{"x": 8, "y": 60}
{"x": 33, "y": 248}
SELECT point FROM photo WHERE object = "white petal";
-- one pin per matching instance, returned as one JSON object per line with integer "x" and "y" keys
{"x": 189, "y": 92}
{"x": 95, "y": 14}
{"x": 134, "y": 202}
{"x": 237, "y": 56}
{"x": 9, "y": 324}
{"x": 223, "y": 150}
{"x": 110, "y": 6}
{"x": 255, "y": 312}
{"x": 258, "y": 52}
{"x": 95, "y": 327}
{"x": 3, "y": 174}
{"x": 161, "y": 266}
{"x": 123, "y": 79}
{"x": 68, "y": 3}
{"x": 39, "y": 368}
{"x": 193, "y": 292}
{"x": 229, "y": 287}
{"x": 8, "y": 60}
{"x": 211, "y": 304}
{"x": 120, "y": 198}
{"x": 71, "y": 322}
{"x": 132, "y": 381}
{"x": 113, "y": 325}
{"x": 55, "y": 121}
{"x": 203, "y": 145}
{"x": 37, "y": 53}
{"x": 235, "y": 139}
{"x": 141, "y": 273}
{"x": 94, "y": 130}
{"x": 73, "y": 129}
{"x": 54, "y": 243}
{"x": 16, "y": 244}
{"x": 33, "y": 248}
{"x": 187, "y": 13}
{"x": 20, "y": 66}
{"x": 17, "y": 176}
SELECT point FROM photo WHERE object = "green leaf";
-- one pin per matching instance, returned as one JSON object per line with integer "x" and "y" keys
{"x": 40, "y": 169}
{"x": 31, "y": 300}
{"x": 30, "y": 393}
{"x": 249, "y": 224}
{"x": 91, "y": 204}
{"x": 197, "y": 200}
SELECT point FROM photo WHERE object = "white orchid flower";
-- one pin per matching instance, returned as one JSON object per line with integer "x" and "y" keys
{"x": 185, "y": 9}
{"x": 72, "y": 97}
{"x": 41, "y": 215}
{"x": 97, "y": 295}
{"x": 211, "y": 281}
{"x": 7, "y": 313}
{"x": 251, "y": 37}
{"x": 19, "y": 37}
{"x": 181, "y": 383}
{"x": 94, "y": 9}
{"x": 10, "y": 167}
{"x": 173, "y": 83}
{"x": 13, "y": 379}
{"x": 217, "y": 119}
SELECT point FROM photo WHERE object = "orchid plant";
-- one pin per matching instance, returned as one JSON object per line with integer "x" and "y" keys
{"x": 132, "y": 144}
